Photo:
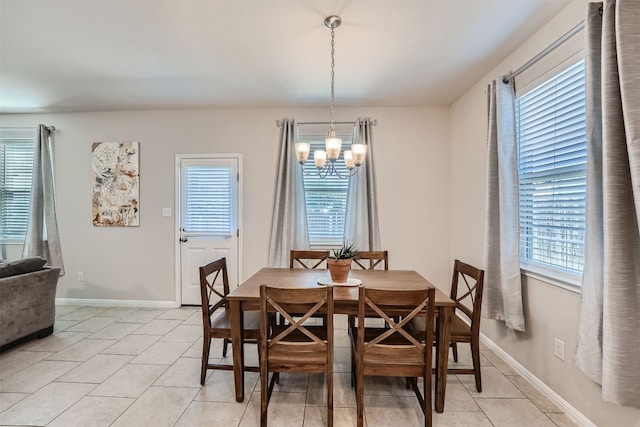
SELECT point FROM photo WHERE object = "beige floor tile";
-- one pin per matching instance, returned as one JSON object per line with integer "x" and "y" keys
{"x": 97, "y": 369}
{"x": 341, "y": 339}
{"x": 494, "y": 384}
{"x": 92, "y": 411}
{"x": 12, "y": 362}
{"x": 61, "y": 325}
{"x": 56, "y": 342}
{"x": 158, "y": 406}
{"x": 36, "y": 376}
{"x": 182, "y": 313}
{"x": 130, "y": 381}
{"x": 7, "y": 400}
{"x": 162, "y": 353}
{"x": 132, "y": 345}
{"x": 82, "y": 350}
{"x": 206, "y": 414}
{"x": 458, "y": 399}
{"x": 500, "y": 364}
{"x": 185, "y": 372}
{"x": 44, "y": 405}
{"x": 539, "y": 399}
{"x": 386, "y": 386}
{"x": 82, "y": 313}
{"x": 341, "y": 359}
{"x": 561, "y": 420}
{"x": 284, "y": 410}
{"x": 464, "y": 357}
{"x": 513, "y": 412}
{"x": 316, "y": 416}
{"x": 157, "y": 327}
{"x": 343, "y": 395}
{"x": 384, "y": 411}
{"x": 195, "y": 350}
{"x": 194, "y": 319}
{"x": 184, "y": 333}
{"x": 93, "y": 324}
{"x": 220, "y": 386}
{"x": 115, "y": 331}
{"x": 460, "y": 419}
{"x": 118, "y": 312}
{"x": 62, "y": 310}
{"x": 292, "y": 382}
{"x": 141, "y": 316}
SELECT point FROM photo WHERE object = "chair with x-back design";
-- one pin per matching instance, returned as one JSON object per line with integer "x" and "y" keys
{"x": 308, "y": 259}
{"x": 393, "y": 350}
{"x": 295, "y": 346}
{"x": 466, "y": 291}
{"x": 216, "y": 319}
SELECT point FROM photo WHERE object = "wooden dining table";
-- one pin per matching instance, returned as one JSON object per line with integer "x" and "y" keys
{"x": 246, "y": 297}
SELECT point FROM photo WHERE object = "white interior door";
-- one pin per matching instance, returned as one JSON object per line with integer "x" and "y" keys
{"x": 208, "y": 219}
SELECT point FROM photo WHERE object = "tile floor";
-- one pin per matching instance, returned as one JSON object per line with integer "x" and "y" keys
{"x": 141, "y": 367}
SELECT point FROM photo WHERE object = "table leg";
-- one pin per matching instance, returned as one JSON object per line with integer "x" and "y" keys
{"x": 442, "y": 355}
{"x": 237, "y": 348}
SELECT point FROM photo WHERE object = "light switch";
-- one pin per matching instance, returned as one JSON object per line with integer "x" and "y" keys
{"x": 166, "y": 212}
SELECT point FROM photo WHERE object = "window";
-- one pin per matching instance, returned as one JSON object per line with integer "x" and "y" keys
{"x": 325, "y": 198}
{"x": 16, "y": 165}
{"x": 551, "y": 131}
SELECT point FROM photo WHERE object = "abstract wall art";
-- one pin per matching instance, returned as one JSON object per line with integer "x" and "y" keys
{"x": 115, "y": 184}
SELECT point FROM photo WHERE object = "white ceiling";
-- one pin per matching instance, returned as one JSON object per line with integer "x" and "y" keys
{"x": 99, "y": 55}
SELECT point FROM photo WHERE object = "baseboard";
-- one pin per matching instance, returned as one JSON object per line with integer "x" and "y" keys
{"x": 117, "y": 303}
{"x": 566, "y": 407}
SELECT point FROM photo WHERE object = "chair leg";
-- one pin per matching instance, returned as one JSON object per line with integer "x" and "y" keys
{"x": 454, "y": 346}
{"x": 427, "y": 405}
{"x": 330, "y": 397}
{"x": 264, "y": 378}
{"x": 359, "y": 396}
{"x": 227, "y": 341}
{"x": 206, "y": 345}
{"x": 475, "y": 354}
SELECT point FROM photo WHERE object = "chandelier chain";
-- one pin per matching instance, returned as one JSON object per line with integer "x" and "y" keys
{"x": 332, "y": 72}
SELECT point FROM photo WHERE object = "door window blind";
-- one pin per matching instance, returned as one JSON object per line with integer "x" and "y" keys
{"x": 551, "y": 131}
{"x": 16, "y": 166}
{"x": 208, "y": 200}
{"x": 325, "y": 198}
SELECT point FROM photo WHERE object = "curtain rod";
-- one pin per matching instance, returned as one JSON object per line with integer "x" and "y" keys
{"x": 50, "y": 128}
{"x": 279, "y": 123}
{"x": 544, "y": 53}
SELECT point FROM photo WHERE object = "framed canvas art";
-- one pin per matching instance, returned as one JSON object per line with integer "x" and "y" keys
{"x": 115, "y": 184}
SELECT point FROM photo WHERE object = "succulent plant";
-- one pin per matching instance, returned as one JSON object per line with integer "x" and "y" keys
{"x": 345, "y": 252}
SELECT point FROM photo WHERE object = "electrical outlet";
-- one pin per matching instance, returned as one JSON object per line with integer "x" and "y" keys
{"x": 558, "y": 348}
{"x": 80, "y": 276}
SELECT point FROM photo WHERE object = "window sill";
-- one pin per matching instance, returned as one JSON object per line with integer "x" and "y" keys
{"x": 565, "y": 280}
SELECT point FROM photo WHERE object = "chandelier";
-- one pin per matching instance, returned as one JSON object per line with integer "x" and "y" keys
{"x": 325, "y": 160}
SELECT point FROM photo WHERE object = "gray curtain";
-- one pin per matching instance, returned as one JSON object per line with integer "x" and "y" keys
{"x": 289, "y": 228}
{"x": 42, "y": 237}
{"x": 609, "y": 341}
{"x": 361, "y": 219}
{"x": 502, "y": 298}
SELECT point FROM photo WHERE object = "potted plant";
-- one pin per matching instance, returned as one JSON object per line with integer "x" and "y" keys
{"x": 339, "y": 262}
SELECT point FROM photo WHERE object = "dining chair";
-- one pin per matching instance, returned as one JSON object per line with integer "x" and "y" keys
{"x": 466, "y": 291}
{"x": 308, "y": 259}
{"x": 295, "y": 347}
{"x": 394, "y": 350}
{"x": 216, "y": 320}
{"x": 371, "y": 260}
{"x": 368, "y": 260}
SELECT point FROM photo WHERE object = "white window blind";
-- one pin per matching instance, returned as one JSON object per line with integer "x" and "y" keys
{"x": 551, "y": 128}
{"x": 325, "y": 198}
{"x": 208, "y": 200}
{"x": 16, "y": 166}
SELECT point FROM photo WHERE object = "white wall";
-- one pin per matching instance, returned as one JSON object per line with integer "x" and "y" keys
{"x": 550, "y": 311}
{"x": 137, "y": 263}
